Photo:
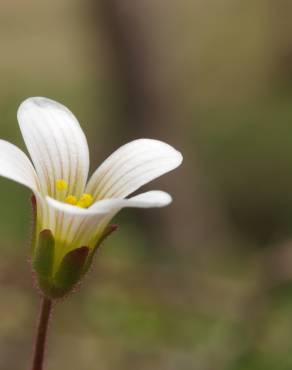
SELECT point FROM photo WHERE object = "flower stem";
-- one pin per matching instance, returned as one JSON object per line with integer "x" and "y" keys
{"x": 41, "y": 336}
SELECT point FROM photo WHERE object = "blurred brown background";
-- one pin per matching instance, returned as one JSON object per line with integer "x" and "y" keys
{"x": 203, "y": 284}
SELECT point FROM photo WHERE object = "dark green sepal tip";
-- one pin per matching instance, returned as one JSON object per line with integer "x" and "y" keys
{"x": 44, "y": 254}
{"x": 70, "y": 270}
{"x": 106, "y": 233}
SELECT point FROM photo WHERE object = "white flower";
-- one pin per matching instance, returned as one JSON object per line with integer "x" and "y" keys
{"x": 74, "y": 210}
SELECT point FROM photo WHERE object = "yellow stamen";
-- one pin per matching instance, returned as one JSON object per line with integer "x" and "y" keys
{"x": 85, "y": 201}
{"x": 61, "y": 184}
{"x": 70, "y": 199}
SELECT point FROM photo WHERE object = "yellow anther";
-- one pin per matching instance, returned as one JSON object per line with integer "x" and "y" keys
{"x": 85, "y": 200}
{"x": 70, "y": 199}
{"x": 61, "y": 184}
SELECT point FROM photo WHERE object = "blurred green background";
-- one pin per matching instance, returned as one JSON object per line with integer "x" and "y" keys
{"x": 205, "y": 283}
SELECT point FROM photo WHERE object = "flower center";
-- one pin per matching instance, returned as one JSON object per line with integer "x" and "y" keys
{"x": 61, "y": 184}
{"x": 83, "y": 202}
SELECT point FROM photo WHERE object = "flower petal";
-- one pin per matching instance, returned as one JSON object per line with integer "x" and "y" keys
{"x": 76, "y": 211}
{"x": 71, "y": 226}
{"x": 56, "y": 144}
{"x": 15, "y": 165}
{"x": 150, "y": 199}
{"x": 132, "y": 166}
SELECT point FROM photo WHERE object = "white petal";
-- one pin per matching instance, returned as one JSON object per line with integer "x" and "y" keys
{"x": 15, "y": 165}
{"x": 56, "y": 144}
{"x": 76, "y": 211}
{"x": 150, "y": 199}
{"x": 71, "y": 226}
{"x": 132, "y": 166}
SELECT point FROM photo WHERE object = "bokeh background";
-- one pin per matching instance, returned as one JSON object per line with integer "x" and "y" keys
{"x": 207, "y": 282}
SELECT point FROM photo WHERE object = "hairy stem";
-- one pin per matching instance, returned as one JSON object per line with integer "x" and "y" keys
{"x": 41, "y": 335}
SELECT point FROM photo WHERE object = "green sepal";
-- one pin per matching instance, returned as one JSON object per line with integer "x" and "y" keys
{"x": 70, "y": 270}
{"x": 34, "y": 221}
{"x": 44, "y": 254}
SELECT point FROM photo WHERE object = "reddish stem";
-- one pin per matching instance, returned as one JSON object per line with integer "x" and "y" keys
{"x": 41, "y": 336}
